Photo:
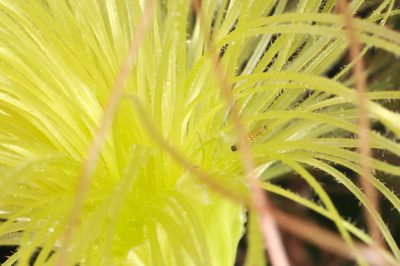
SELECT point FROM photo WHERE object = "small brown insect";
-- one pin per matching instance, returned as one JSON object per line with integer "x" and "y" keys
{"x": 251, "y": 136}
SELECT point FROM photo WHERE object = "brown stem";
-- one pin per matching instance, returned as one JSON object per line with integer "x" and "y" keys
{"x": 363, "y": 121}
{"x": 260, "y": 200}
{"x": 97, "y": 141}
{"x": 330, "y": 241}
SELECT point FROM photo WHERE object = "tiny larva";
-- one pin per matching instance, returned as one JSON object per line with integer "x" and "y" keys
{"x": 252, "y": 135}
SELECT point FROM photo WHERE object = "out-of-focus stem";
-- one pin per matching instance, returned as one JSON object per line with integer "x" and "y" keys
{"x": 363, "y": 121}
{"x": 260, "y": 200}
{"x": 97, "y": 141}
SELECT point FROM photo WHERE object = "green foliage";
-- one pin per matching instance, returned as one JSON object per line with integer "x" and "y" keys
{"x": 58, "y": 63}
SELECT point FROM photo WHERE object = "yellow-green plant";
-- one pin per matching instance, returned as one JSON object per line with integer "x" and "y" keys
{"x": 143, "y": 204}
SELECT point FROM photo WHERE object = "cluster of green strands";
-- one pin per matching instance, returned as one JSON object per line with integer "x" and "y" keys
{"x": 58, "y": 63}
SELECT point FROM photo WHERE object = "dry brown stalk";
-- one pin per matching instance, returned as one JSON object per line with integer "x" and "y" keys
{"x": 363, "y": 121}
{"x": 97, "y": 141}
{"x": 259, "y": 200}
